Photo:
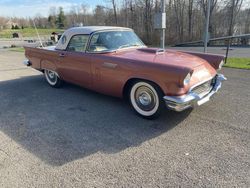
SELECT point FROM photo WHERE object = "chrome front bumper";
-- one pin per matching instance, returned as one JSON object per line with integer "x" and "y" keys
{"x": 191, "y": 99}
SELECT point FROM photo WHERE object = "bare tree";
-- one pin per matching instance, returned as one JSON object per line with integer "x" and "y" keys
{"x": 72, "y": 17}
{"x": 204, "y": 4}
{"x": 179, "y": 8}
{"x": 52, "y": 17}
{"x": 148, "y": 20}
{"x": 190, "y": 18}
{"x": 247, "y": 25}
{"x": 132, "y": 13}
{"x": 83, "y": 13}
{"x": 3, "y": 22}
{"x": 185, "y": 18}
{"x": 99, "y": 14}
{"x": 234, "y": 7}
{"x": 115, "y": 11}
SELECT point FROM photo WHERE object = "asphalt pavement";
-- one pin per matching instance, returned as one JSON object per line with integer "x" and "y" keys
{"x": 73, "y": 137}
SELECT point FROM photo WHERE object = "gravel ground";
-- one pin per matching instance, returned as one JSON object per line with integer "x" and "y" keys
{"x": 72, "y": 137}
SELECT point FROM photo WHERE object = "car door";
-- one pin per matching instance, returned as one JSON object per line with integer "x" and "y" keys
{"x": 108, "y": 72}
{"x": 74, "y": 63}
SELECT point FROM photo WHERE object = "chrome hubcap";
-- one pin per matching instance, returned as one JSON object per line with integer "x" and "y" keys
{"x": 51, "y": 74}
{"x": 145, "y": 98}
{"x": 51, "y": 77}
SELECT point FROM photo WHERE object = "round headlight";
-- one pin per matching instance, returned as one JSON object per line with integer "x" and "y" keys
{"x": 187, "y": 79}
{"x": 221, "y": 64}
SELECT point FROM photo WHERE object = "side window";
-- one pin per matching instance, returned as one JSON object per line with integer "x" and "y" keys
{"x": 99, "y": 42}
{"x": 78, "y": 43}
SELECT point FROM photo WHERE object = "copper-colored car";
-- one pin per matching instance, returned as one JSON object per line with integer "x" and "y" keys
{"x": 114, "y": 61}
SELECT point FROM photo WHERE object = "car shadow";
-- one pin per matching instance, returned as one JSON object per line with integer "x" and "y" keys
{"x": 63, "y": 125}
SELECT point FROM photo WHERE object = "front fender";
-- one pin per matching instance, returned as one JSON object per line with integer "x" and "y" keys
{"x": 169, "y": 87}
{"x": 213, "y": 59}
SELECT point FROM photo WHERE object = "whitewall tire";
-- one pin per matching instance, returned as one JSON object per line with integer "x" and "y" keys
{"x": 52, "y": 78}
{"x": 146, "y": 99}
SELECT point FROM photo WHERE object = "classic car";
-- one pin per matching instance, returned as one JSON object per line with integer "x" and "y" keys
{"x": 114, "y": 61}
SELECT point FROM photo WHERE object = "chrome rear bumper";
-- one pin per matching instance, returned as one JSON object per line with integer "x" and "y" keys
{"x": 191, "y": 99}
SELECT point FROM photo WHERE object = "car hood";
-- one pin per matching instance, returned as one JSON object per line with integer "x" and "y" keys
{"x": 168, "y": 57}
{"x": 200, "y": 68}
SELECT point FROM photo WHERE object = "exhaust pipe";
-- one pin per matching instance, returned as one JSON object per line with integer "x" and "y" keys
{"x": 27, "y": 63}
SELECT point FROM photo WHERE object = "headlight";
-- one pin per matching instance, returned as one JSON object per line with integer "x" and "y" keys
{"x": 221, "y": 64}
{"x": 187, "y": 79}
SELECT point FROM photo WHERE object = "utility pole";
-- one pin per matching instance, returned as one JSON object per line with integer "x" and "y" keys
{"x": 163, "y": 11}
{"x": 160, "y": 22}
{"x": 230, "y": 31}
{"x": 207, "y": 26}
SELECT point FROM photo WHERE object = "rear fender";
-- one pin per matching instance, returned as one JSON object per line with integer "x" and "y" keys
{"x": 45, "y": 64}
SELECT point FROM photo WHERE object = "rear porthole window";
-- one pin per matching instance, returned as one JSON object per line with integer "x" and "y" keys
{"x": 63, "y": 39}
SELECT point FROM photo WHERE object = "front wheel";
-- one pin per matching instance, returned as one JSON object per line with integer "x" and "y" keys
{"x": 147, "y": 99}
{"x": 52, "y": 78}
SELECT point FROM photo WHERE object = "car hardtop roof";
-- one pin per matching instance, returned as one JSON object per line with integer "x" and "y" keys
{"x": 91, "y": 29}
{"x": 86, "y": 30}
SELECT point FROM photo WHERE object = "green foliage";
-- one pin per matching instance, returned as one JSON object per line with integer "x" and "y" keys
{"x": 61, "y": 19}
{"x": 15, "y": 27}
{"x": 240, "y": 63}
{"x": 58, "y": 20}
{"x": 52, "y": 21}
{"x": 17, "y": 50}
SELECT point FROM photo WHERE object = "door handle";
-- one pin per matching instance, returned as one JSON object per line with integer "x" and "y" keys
{"x": 61, "y": 55}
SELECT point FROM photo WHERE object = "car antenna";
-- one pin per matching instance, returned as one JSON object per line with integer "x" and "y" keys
{"x": 37, "y": 33}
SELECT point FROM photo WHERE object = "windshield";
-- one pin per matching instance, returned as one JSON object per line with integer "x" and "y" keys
{"x": 114, "y": 40}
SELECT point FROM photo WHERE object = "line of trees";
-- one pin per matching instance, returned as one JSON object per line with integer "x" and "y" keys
{"x": 185, "y": 18}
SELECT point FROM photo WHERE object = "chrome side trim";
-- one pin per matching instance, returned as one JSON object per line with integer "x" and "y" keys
{"x": 109, "y": 65}
{"x": 191, "y": 99}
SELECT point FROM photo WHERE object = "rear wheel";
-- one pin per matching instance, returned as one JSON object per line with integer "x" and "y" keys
{"x": 147, "y": 99}
{"x": 52, "y": 78}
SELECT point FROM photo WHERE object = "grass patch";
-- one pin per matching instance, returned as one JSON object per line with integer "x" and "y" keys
{"x": 17, "y": 50}
{"x": 240, "y": 63}
{"x": 27, "y": 32}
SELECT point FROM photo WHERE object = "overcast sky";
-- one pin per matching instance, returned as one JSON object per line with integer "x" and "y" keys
{"x": 30, "y": 8}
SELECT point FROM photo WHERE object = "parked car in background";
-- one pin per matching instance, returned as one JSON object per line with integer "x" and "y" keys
{"x": 114, "y": 61}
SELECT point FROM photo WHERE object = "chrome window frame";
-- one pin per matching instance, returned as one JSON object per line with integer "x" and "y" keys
{"x": 108, "y": 30}
{"x": 84, "y": 51}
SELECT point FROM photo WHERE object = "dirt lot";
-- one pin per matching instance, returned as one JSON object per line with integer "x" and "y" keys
{"x": 72, "y": 137}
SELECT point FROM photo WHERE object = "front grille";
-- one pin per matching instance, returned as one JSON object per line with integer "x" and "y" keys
{"x": 204, "y": 87}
